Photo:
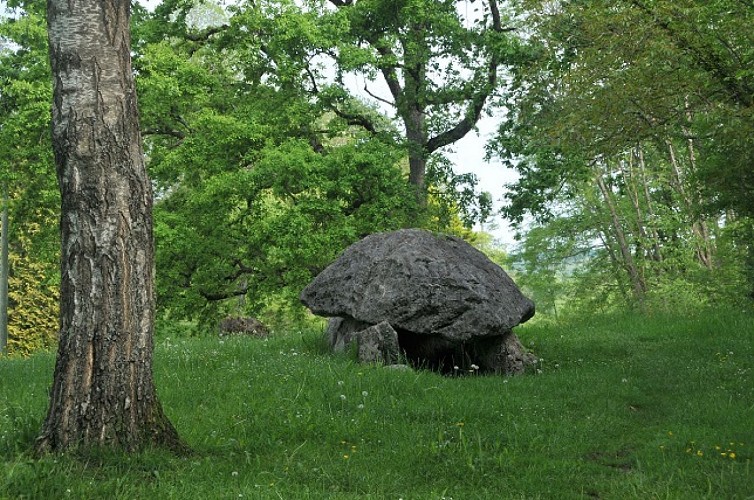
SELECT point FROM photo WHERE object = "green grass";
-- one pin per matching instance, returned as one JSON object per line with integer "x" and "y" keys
{"x": 623, "y": 407}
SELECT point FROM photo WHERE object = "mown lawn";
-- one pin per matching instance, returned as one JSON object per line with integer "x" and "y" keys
{"x": 621, "y": 407}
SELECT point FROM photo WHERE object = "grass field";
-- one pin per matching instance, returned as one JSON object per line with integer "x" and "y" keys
{"x": 621, "y": 407}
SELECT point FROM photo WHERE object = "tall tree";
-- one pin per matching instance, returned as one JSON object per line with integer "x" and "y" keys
{"x": 260, "y": 188}
{"x": 103, "y": 391}
{"x": 438, "y": 62}
{"x": 625, "y": 102}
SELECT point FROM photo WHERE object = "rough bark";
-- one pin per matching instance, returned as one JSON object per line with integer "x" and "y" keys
{"x": 103, "y": 392}
{"x": 417, "y": 155}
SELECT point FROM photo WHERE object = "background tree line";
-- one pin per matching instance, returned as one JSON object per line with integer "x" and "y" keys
{"x": 631, "y": 129}
{"x": 630, "y": 126}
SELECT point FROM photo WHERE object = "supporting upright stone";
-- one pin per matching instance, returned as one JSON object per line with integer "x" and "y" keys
{"x": 378, "y": 344}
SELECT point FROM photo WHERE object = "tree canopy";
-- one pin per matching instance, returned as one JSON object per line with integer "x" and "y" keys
{"x": 276, "y": 133}
{"x": 615, "y": 132}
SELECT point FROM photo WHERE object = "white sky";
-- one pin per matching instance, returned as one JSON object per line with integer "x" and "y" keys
{"x": 468, "y": 156}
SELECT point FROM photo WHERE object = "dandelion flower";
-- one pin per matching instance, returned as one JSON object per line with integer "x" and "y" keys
{"x": 732, "y": 455}
{"x": 699, "y": 453}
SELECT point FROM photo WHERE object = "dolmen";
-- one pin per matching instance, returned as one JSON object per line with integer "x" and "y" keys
{"x": 428, "y": 299}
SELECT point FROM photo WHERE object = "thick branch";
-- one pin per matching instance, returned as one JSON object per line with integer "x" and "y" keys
{"x": 169, "y": 132}
{"x": 218, "y": 296}
{"x": 476, "y": 106}
{"x": 205, "y": 34}
{"x": 388, "y": 72}
{"x": 241, "y": 270}
{"x": 350, "y": 118}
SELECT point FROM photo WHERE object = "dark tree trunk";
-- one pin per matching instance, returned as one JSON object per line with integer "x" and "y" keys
{"x": 103, "y": 392}
{"x": 417, "y": 157}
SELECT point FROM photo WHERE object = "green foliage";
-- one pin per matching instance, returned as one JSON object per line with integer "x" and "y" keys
{"x": 33, "y": 296}
{"x": 264, "y": 166}
{"x": 252, "y": 201}
{"x": 258, "y": 187}
{"x": 623, "y": 407}
{"x": 266, "y": 232}
{"x": 454, "y": 196}
{"x": 615, "y": 131}
{"x": 28, "y": 174}
{"x": 428, "y": 62}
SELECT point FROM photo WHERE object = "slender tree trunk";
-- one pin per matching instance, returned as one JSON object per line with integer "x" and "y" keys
{"x": 650, "y": 206}
{"x": 617, "y": 265}
{"x": 637, "y": 282}
{"x": 103, "y": 391}
{"x": 4, "y": 272}
{"x": 627, "y": 169}
{"x": 699, "y": 228}
{"x": 705, "y": 249}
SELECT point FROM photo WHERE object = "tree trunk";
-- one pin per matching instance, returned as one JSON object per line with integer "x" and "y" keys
{"x": 705, "y": 247}
{"x": 704, "y": 252}
{"x": 637, "y": 282}
{"x": 411, "y": 106}
{"x": 417, "y": 161}
{"x": 103, "y": 391}
{"x": 657, "y": 254}
{"x": 627, "y": 171}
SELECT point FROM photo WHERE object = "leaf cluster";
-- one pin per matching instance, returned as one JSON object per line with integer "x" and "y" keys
{"x": 615, "y": 132}
{"x": 258, "y": 187}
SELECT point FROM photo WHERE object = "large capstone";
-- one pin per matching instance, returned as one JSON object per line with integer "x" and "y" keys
{"x": 452, "y": 307}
